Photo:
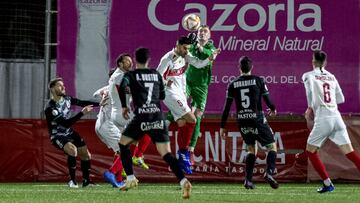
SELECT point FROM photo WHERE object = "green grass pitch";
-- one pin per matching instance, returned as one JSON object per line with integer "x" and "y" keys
{"x": 171, "y": 193}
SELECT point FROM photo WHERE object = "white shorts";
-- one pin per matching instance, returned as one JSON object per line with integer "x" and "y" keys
{"x": 333, "y": 128}
{"x": 177, "y": 104}
{"x": 108, "y": 134}
{"x": 119, "y": 121}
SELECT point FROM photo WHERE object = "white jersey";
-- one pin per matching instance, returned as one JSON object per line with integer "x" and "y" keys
{"x": 323, "y": 93}
{"x": 172, "y": 67}
{"x": 105, "y": 110}
{"x": 116, "y": 108}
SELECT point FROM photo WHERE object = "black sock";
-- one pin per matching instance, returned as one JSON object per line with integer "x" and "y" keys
{"x": 270, "y": 161}
{"x": 126, "y": 160}
{"x": 174, "y": 165}
{"x": 250, "y": 163}
{"x": 85, "y": 168}
{"x": 71, "y": 161}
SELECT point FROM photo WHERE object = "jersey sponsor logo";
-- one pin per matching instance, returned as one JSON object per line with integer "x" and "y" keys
{"x": 246, "y": 115}
{"x": 55, "y": 112}
{"x": 248, "y": 130}
{"x": 148, "y": 108}
{"x": 175, "y": 72}
{"x": 157, "y": 125}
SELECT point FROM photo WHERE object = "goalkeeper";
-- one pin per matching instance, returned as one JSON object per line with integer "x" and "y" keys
{"x": 198, "y": 80}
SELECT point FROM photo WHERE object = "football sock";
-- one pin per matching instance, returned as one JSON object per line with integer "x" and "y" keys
{"x": 72, "y": 166}
{"x": 85, "y": 168}
{"x": 196, "y": 133}
{"x": 318, "y": 165}
{"x": 174, "y": 165}
{"x": 181, "y": 137}
{"x": 250, "y": 163}
{"x": 270, "y": 162}
{"x": 355, "y": 158}
{"x": 117, "y": 165}
{"x": 126, "y": 159}
{"x": 142, "y": 146}
{"x": 327, "y": 182}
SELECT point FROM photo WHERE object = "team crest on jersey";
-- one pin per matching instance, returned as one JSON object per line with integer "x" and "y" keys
{"x": 55, "y": 112}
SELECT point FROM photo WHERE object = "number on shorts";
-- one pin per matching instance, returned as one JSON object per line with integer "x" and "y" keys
{"x": 150, "y": 90}
{"x": 326, "y": 88}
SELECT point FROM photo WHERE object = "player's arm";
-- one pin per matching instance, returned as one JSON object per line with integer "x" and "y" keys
{"x": 226, "y": 110}
{"x": 161, "y": 88}
{"x": 83, "y": 103}
{"x": 307, "y": 85}
{"x": 98, "y": 93}
{"x": 197, "y": 63}
{"x": 123, "y": 90}
{"x": 162, "y": 67}
{"x": 339, "y": 94}
{"x": 53, "y": 115}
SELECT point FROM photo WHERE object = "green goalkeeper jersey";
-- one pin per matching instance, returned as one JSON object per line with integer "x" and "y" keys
{"x": 200, "y": 76}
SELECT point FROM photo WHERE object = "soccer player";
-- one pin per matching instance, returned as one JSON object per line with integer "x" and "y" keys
{"x": 147, "y": 89}
{"x": 172, "y": 68}
{"x": 124, "y": 64}
{"x": 248, "y": 90}
{"x": 323, "y": 93}
{"x": 198, "y": 80}
{"x": 62, "y": 136}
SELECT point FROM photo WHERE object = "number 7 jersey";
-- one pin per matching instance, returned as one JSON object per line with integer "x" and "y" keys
{"x": 323, "y": 92}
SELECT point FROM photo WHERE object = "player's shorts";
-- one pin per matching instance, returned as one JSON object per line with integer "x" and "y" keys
{"x": 177, "y": 104}
{"x": 198, "y": 95}
{"x": 118, "y": 119}
{"x": 256, "y": 130}
{"x": 60, "y": 140}
{"x": 333, "y": 128}
{"x": 108, "y": 133}
{"x": 154, "y": 127}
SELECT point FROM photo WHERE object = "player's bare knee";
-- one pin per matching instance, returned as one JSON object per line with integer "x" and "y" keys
{"x": 251, "y": 149}
{"x": 70, "y": 149}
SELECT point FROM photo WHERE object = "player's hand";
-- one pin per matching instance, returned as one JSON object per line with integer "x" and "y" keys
{"x": 223, "y": 133}
{"x": 271, "y": 112}
{"x": 126, "y": 113}
{"x": 169, "y": 83}
{"x": 214, "y": 54}
{"x": 87, "y": 109}
{"x": 104, "y": 100}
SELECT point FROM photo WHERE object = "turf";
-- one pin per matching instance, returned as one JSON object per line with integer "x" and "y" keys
{"x": 170, "y": 193}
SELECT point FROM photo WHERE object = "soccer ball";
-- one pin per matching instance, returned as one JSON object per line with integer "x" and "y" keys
{"x": 191, "y": 22}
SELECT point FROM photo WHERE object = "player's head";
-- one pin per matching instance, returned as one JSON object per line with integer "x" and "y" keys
{"x": 204, "y": 33}
{"x": 124, "y": 61}
{"x": 245, "y": 64}
{"x": 56, "y": 87}
{"x": 319, "y": 59}
{"x": 183, "y": 45}
{"x": 142, "y": 56}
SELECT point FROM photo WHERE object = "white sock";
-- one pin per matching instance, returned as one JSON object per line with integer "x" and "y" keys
{"x": 327, "y": 182}
{"x": 130, "y": 177}
{"x": 182, "y": 182}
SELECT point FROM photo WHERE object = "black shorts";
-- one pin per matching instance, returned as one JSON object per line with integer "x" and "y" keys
{"x": 155, "y": 127}
{"x": 256, "y": 130}
{"x": 60, "y": 141}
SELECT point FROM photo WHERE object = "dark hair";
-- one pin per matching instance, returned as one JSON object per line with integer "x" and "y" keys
{"x": 245, "y": 64}
{"x": 184, "y": 40}
{"x": 319, "y": 56}
{"x": 142, "y": 55}
{"x": 120, "y": 58}
{"x": 53, "y": 82}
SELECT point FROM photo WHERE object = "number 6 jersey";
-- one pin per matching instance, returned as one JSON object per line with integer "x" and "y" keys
{"x": 323, "y": 93}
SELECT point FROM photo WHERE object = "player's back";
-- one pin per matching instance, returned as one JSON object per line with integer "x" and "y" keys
{"x": 147, "y": 89}
{"x": 323, "y": 88}
{"x": 114, "y": 83}
{"x": 247, "y": 91}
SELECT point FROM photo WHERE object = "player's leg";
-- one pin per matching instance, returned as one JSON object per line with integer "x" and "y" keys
{"x": 317, "y": 137}
{"x": 163, "y": 147}
{"x": 250, "y": 164}
{"x": 138, "y": 157}
{"x": 71, "y": 151}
